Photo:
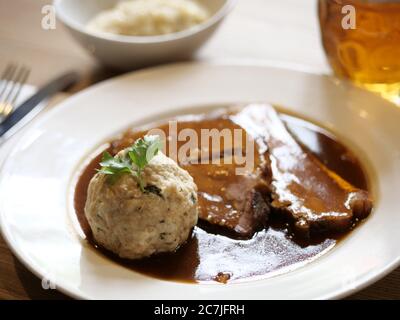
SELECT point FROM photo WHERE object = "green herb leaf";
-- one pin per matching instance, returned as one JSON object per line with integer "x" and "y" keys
{"x": 154, "y": 144}
{"x": 114, "y": 165}
{"x": 138, "y": 157}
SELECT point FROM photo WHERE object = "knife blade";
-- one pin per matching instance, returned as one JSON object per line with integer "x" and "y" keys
{"x": 58, "y": 84}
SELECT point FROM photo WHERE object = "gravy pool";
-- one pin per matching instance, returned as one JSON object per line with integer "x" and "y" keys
{"x": 210, "y": 255}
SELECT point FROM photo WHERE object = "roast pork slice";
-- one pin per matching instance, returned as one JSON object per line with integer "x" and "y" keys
{"x": 315, "y": 199}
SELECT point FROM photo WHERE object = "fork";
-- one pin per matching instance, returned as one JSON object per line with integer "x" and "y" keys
{"x": 12, "y": 81}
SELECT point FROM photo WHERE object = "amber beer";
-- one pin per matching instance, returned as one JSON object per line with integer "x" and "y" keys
{"x": 367, "y": 52}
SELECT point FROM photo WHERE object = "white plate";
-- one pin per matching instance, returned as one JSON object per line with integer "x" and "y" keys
{"x": 36, "y": 212}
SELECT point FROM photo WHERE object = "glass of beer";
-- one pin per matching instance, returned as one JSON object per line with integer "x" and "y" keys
{"x": 362, "y": 42}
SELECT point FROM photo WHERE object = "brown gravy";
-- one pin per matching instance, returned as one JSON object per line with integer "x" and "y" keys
{"x": 210, "y": 256}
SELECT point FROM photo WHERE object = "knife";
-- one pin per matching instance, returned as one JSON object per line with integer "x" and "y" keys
{"x": 59, "y": 84}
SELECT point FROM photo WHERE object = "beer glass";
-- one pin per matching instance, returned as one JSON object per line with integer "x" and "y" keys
{"x": 362, "y": 41}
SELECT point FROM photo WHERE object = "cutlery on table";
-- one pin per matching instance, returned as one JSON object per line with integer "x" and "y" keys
{"x": 12, "y": 81}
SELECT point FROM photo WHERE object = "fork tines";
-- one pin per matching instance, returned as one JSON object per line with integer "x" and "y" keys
{"x": 12, "y": 80}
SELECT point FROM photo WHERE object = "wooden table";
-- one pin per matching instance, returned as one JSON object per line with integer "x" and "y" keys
{"x": 281, "y": 32}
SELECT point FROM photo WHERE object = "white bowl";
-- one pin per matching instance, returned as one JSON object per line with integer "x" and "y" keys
{"x": 129, "y": 52}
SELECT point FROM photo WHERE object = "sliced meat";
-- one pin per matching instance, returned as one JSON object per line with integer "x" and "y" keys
{"x": 241, "y": 206}
{"x": 285, "y": 176}
{"x": 315, "y": 198}
{"x": 237, "y": 203}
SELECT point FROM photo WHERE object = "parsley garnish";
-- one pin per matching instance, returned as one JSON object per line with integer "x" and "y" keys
{"x": 136, "y": 159}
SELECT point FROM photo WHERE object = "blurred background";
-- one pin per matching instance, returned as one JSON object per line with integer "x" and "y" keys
{"x": 281, "y": 31}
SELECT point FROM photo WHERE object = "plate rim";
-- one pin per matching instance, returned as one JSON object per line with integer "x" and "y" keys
{"x": 344, "y": 291}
